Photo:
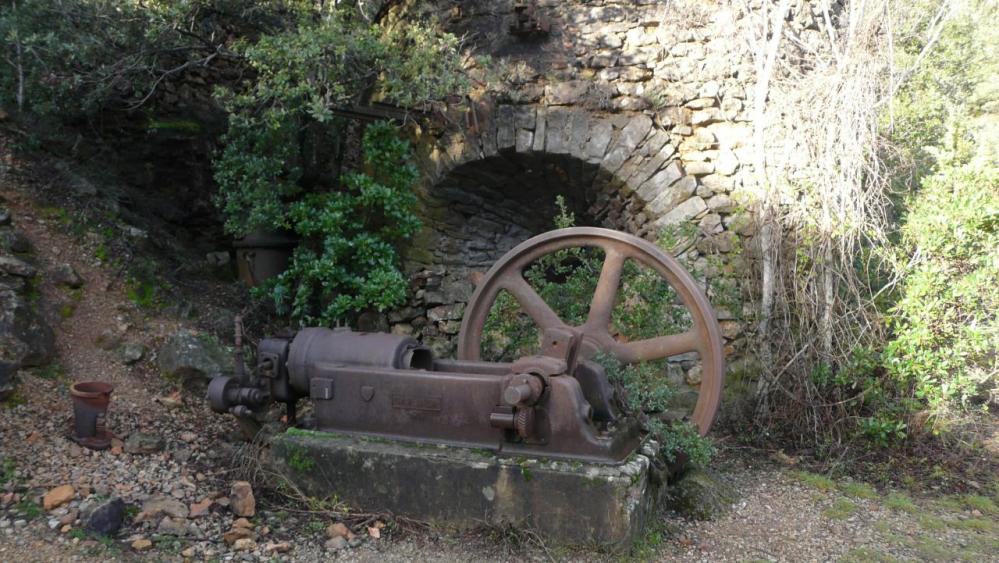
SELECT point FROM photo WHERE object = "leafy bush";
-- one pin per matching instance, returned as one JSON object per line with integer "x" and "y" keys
{"x": 941, "y": 352}
{"x": 646, "y": 394}
{"x": 946, "y": 327}
{"x": 283, "y": 139}
{"x": 65, "y": 57}
{"x": 73, "y": 60}
{"x": 282, "y": 163}
{"x": 347, "y": 261}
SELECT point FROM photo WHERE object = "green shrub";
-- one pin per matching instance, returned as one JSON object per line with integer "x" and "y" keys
{"x": 901, "y": 502}
{"x": 283, "y": 163}
{"x": 347, "y": 261}
{"x": 64, "y": 57}
{"x": 8, "y": 471}
{"x": 939, "y": 356}
{"x": 945, "y": 324}
{"x": 76, "y": 60}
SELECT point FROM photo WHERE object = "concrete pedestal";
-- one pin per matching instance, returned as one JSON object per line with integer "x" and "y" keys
{"x": 569, "y": 502}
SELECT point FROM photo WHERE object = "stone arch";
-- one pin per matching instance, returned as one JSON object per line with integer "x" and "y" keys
{"x": 492, "y": 185}
{"x": 627, "y": 154}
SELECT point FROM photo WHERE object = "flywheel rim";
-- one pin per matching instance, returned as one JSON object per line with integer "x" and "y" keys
{"x": 704, "y": 337}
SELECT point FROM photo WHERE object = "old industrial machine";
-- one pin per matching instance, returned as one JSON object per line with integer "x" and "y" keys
{"x": 557, "y": 404}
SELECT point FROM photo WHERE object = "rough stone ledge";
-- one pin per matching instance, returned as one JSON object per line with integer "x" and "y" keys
{"x": 568, "y": 502}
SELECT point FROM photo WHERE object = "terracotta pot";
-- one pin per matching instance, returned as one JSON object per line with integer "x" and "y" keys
{"x": 90, "y": 410}
{"x": 263, "y": 255}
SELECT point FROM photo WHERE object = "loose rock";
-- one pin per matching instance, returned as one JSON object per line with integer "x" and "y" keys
{"x": 132, "y": 353}
{"x": 236, "y": 534}
{"x": 200, "y": 508}
{"x": 245, "y": 544}
{"x": 143, "y": 443}
{"x": 58, "y": 496}
{"x": 339, "y": 530}
{"x": 336, "y": 544}
{"x": 108, "y": 340}
{"x": 192, "y": 358}
{"x": 156, "y": 506}
{"x": 241, "y": 499}
{"x": 173, "y": 526}
{"x": 280, "y": 547}
{"x": 242, "y": 523}
{"x": 702, "y": 494}
{"x": 64, "y": 274}
{"x": 106, "y": 520}
{"x": 69, "y": 517}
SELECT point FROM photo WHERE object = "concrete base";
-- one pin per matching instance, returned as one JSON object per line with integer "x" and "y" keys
{"x": 569, "y": 502}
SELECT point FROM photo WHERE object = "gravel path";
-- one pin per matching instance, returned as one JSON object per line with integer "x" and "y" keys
{"x": 782, "y": 514}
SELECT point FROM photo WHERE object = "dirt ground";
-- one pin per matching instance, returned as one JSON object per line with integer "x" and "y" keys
{"x": 783, "y": 513}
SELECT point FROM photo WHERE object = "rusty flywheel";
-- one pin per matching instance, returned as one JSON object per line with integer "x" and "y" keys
{"x": 508, "y": 274}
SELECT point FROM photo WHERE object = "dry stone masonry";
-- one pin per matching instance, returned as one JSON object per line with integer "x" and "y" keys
{"x": 635, "y": 112}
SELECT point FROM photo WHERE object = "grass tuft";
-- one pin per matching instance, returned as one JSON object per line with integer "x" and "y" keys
{"x": 973, "y": 524}
{"x": 858, "y": 490}
{"x": 900, "y": 502}
{"x": 841, "y": 509}
{"x": 814, "y": 480}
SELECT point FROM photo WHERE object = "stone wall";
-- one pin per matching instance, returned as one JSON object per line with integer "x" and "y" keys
{"x": 635, "y": 112}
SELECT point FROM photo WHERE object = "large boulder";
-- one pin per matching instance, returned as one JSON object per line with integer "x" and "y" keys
{"x": 13, "y": 241}
{"x": 701, "y": 494}
{"x": 107, "y": 519}
{"x": 15, "y": 274}
{"x": 25, "y": 339}
{"x": 8, "y": 381}
{"x": 193, "y": 359}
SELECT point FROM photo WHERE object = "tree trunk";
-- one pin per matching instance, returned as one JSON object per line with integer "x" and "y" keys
{"x": 767, "y": 48}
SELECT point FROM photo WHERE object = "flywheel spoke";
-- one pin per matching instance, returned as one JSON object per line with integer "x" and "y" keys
{"x": 531, "y": 302}
{"x": 657, "y": 348}
{"x": 605, "y": 294}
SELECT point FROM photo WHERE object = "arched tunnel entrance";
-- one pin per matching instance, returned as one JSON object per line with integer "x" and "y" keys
{"x": 482, "y": 209}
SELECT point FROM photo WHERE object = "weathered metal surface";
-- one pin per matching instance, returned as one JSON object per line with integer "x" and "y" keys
{"x": 508, "y": 274}
{"x": 558, "y": 404}
{"x": 389, "y": 386}
{"x": 90, "y": 411}
{"x": 261, "y": 256}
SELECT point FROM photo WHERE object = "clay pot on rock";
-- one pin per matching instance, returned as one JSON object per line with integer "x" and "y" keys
{"x": 263, "y": 255}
